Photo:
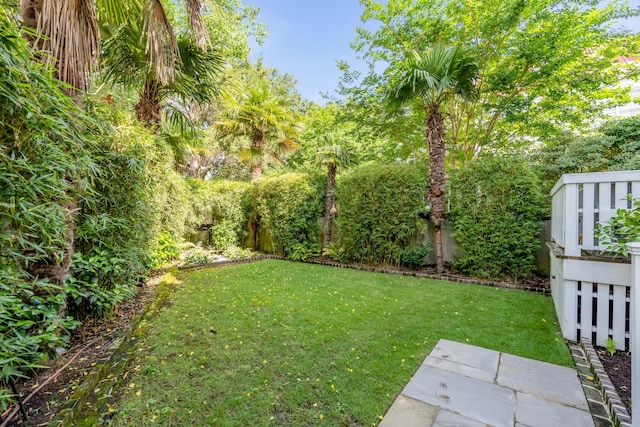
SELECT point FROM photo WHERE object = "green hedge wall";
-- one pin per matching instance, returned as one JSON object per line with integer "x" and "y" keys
{"x": 379, "y": 208}
{"x": 288, "y": 207}
{"x": 496, "y": 208}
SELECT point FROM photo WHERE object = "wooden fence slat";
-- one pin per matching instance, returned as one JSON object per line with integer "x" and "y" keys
{"x": 602, "y": 320}
{"x": 586, "y": 310}
{"x": 588, "y": 194}
{"x": 571, "y": 310}
{"x": 621, "y": 195}
{"x": 619, "y": 311}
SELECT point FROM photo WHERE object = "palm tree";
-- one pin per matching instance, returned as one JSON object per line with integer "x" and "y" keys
{"x": 192, "y": 78}
{"x": 264, "y": 115}
{"x": 333, "y": 155}
{"x": 431, "y": 80}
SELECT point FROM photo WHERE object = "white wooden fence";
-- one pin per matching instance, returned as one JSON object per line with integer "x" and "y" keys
{"x": 592, "y": 294}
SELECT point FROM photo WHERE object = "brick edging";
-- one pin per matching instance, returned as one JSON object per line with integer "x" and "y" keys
{"x": 619, "y": 413}
{"x": 443, "y": 277}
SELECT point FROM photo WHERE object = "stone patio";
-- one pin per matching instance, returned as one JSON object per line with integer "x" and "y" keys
{"x": 467, "y": 386}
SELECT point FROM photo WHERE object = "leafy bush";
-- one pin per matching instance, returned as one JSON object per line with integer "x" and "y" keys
{"x": 223, "y": 236}
{"x": 199, "y": 256}
{"x": 301, "y": 252}
{"x": 336, "y": 253}
{"x": 167, "y": 251}
{"x": 379, "y": 210}
{"x": 413, "y": 256}
{"x": 497, "y": 207}
{"x": 44, "y": 140}
{"x": 98, "y": 283}
{"x": 289, "y": 206}
{"x": 620, "y": 230}
{"x": 217, "y": 201}
{"x": 235, "y": 252}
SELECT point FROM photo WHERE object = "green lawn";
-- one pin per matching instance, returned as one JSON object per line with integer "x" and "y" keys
{"x": 300, "y": 344}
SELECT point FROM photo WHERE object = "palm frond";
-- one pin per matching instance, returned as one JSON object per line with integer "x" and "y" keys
{"x": 196, "y": 24}
{"x": 162, "y": 45}
{"x": 71, "y": 35}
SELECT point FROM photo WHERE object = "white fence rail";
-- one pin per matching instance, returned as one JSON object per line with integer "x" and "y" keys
{"x": 591, "y": 295}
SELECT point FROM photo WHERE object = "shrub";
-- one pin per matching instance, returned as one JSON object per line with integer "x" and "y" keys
{"x": 413, "y": 256}
{"x": 289, "y": 206}
{"x": 379, "y": 210}
{"x": 497, "y": 207}
{"x": 97, "y": 284}
{"x": 217, "y": 201}
{"x": 336, "y": 253}
{"x": 620, "y": 230}
{"x": 235, "y": 252}
{"x": 223, "y": 236}
{"x": 301, "y": 252}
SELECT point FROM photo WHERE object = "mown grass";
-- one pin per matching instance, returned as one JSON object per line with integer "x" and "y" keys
{"x": 299, "y": 344}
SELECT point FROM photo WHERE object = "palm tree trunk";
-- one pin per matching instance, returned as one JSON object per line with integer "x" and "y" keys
{"x": 330, "y": 197}
{"x": 148, "y": 109}
{"x": 257, "y": 148}
{"x": 435, "y": 140}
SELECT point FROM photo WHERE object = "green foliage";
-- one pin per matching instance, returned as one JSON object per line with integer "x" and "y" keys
{"x": 379, "y": 208}
{"x": 217, "y": 201}
{"x": 496, "y": 207}
{"x": 413, "y": 256}
{"x": 301, "y": 252}
{"x": 43, "y": 154}
{"x": 199, "y": 256}
{"x": 167, "y": 250}
{"x": 30, "y": 325}
{"x": 336, "y": 253}
{"x": 536, "y": 78}
{"x": 97, "y": 284}
{"x": 235, "y": 252}
{"x": 610, "y": 345}
{"x": 289, "y": 206}
{"x": 620, "y": 230}
{"x": 615, "y": 146}
{"x": 223, "y": 236}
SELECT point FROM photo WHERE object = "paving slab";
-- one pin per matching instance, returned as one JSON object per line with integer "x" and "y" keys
{"x": 451, "y": 419}
{"x": 533, "y": 411}
{"x": 470, "y": 397}
{"x": 551, "y": 382}
{"x": 466, "y": 354}
{"x": 407, "y": 412}
{"x": 459, "y": 385}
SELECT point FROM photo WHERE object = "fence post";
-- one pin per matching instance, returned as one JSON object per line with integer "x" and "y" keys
{"x": 634, "y": 345}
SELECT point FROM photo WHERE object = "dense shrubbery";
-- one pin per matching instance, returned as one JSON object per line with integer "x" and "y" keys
{"x": 218, "y": 202}
{"x": 43, "y": 157}
{"x": 288, "y": 207}
{"x": 497, "y": 207}
{"x": 615, "y": 147}
{"x": 379, "y": 210}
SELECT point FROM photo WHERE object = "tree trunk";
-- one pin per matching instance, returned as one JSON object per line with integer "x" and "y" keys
{"x": 435, "y": 140}
{"x": 328, "y": 221}
{"x": 257, "y": 147}
{"x": 148, "y": 109}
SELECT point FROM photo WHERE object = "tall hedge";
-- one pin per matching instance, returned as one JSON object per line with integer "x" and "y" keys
{"x": 221, "y": 200}
{"x": 496, "y": 208}
{"x": 379, "y": 210}
{"x": 288, "y": 207}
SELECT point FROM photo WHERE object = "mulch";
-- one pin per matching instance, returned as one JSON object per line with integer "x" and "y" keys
{"x": 618, "y": 368}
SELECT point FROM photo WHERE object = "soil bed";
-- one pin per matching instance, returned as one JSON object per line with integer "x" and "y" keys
{"x": 88, "y": 345}
{"x": 618, "y": 368}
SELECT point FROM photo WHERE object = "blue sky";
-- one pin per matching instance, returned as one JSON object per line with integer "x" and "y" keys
{"x": 307, "y": 37}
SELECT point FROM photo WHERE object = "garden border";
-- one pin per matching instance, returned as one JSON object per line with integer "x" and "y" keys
{"x": 619, "y": 414}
